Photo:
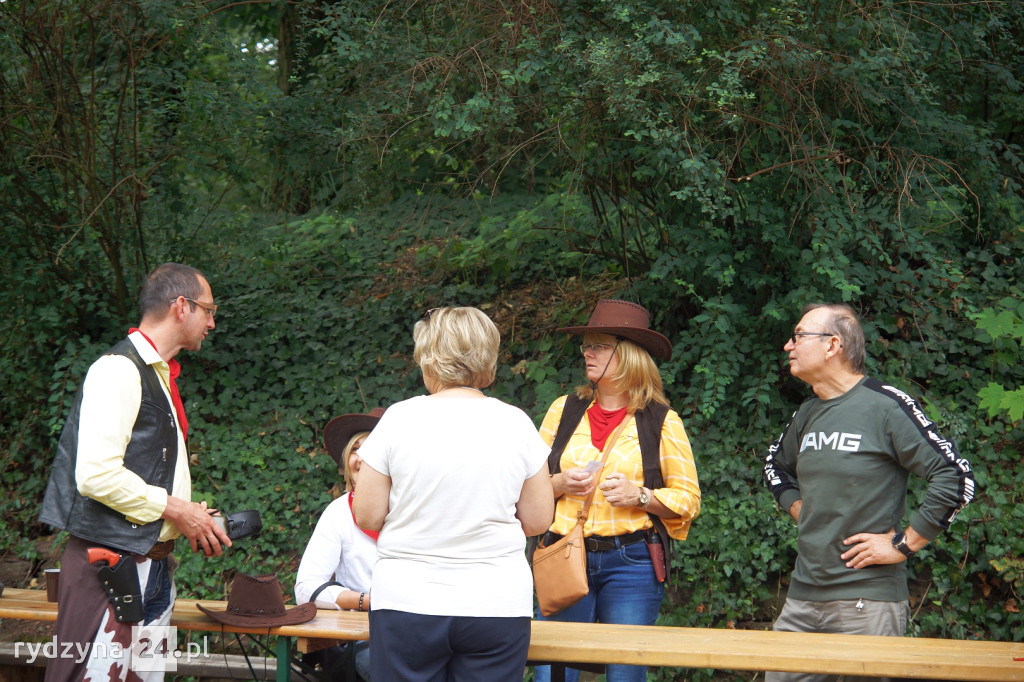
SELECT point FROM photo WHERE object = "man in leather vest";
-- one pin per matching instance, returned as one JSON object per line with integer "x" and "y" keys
{"x": 120, "y": 486}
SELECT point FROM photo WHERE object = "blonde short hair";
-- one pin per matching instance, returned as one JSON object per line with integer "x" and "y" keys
{"x": 457, "y": 347}
{"x": 637, "y": 376}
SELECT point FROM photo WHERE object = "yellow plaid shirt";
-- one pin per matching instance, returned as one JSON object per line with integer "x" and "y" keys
{"x": 681, "y": 493}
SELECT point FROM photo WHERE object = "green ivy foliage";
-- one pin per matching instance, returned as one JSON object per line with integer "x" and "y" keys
{"x": 721, "y": 162}
{"x": 1006, "y": 329}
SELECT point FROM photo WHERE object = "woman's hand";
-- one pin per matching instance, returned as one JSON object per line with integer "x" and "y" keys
{"x": 576, "y": 481}
{"x": 620, "y": 491}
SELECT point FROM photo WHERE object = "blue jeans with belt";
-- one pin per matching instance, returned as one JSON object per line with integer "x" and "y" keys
{"x": 623, "y": 590}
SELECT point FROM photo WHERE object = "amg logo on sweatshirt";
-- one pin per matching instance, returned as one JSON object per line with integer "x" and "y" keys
{"x": 845, "y": 442}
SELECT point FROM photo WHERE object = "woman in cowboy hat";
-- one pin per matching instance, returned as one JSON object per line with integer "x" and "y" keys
{"x": 455, "y": 481}
{"x": 336, "y": 567}
{"x": 635, "y": 506}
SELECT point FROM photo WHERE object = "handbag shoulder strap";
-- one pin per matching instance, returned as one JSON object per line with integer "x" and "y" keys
{"x": 585, "y": 511}
{"x": 317, "y": 591}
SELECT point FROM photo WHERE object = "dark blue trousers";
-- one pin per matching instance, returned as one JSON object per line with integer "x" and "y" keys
{"x": 410, "y": 647}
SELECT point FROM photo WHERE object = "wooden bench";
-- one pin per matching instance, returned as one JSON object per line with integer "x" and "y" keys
{"x": 346, "y": 625}
{"x": 568, "y": 643}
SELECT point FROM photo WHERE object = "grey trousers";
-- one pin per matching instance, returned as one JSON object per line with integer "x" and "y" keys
{"x": 846, "y": 616}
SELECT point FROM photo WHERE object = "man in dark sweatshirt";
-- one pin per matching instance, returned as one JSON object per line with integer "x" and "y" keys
{"x": 840, "y": 469}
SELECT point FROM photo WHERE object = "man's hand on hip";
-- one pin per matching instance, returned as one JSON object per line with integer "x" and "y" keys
{"x": 870, "y": 549}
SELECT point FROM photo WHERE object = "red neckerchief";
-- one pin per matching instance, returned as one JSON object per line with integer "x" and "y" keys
{"x": 603, "y": 422}
{"x": 175, "y": 368}
{"x": 372, "y": 534}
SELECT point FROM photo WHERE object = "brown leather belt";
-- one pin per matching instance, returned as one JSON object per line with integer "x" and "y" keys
{"x": 600, "y": 543}
{"x": 161, "y": 550}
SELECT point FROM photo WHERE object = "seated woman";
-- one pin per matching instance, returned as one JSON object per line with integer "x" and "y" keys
{"x": 336, "y": 567}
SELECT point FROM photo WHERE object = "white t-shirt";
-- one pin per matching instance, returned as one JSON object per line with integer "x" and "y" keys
{"x": 337, "y": 548}
{"x": 451, "y": 544}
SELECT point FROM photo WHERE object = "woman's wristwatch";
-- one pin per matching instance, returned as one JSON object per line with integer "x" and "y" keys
{"x": 645, "y": 498}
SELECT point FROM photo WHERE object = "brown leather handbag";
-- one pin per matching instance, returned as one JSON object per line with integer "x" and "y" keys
{"x": 560, "y": 569}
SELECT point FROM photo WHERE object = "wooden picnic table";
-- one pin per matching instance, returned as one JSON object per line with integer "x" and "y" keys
{"x": 654, "y": 646}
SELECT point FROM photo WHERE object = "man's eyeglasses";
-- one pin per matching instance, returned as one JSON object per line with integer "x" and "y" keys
{"x": 595, "y": 347}
{"x": 208, "y": 307}
{"x": 796, "y": 334}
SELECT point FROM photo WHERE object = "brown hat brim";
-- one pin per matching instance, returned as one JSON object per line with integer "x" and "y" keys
{"x": 293, "y": 616}
{"x": 340, "y": 429}
{"x": 653, "y": 342}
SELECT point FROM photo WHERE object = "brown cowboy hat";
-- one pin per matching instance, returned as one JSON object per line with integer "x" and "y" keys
{"x": 340, "y": 429}
{"x": 256, "y": 602}
{"x": 627, "y": 320}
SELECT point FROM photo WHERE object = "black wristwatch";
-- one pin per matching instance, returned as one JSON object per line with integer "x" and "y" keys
{"x": 899, "y": 541}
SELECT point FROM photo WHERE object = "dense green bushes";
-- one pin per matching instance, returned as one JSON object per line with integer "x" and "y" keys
{"x": 721, "y": 162}
{"x": 324, "y": 328}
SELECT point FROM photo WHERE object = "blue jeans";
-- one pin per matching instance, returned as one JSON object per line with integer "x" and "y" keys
{"x": 158, "y": 590}
{"x": 623, "y": 590}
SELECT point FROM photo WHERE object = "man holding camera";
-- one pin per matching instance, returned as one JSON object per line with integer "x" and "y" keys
{"x": 120, "y": 483}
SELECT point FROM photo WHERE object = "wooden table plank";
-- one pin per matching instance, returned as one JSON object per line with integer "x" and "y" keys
{"x": 32, "y": 605}
{"x": 27, "y": 605}
{"x": 919, "y": 658}
{"x": 326, "y": 624}
{"x": 916, "y": 658}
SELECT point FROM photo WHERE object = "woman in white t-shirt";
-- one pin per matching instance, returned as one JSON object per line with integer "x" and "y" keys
{"x": 336, "y": 567}
{"x": 455, "y": 481}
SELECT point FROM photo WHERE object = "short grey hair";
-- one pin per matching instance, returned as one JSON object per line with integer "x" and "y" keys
{"x": 845, "y": 324}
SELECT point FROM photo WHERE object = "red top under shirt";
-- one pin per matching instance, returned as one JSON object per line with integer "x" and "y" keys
{"x": 602, "y": 423}
{"x": 175, "y": 368}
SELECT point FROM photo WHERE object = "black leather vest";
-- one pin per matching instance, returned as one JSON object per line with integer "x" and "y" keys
{"x": 151, "y": 453}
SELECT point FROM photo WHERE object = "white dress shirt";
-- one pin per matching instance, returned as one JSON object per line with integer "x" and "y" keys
{"x": 111, "y": 396}
{"x": 337, "y": 549}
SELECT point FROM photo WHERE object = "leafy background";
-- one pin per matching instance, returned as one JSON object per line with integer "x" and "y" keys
{"x": 337, "y": 168}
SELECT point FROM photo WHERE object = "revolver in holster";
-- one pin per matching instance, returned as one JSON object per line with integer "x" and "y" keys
{"x": 120, "y": 579}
